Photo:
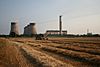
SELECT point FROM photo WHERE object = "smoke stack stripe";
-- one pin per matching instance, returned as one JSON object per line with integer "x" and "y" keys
{"x": 60, "y": 25}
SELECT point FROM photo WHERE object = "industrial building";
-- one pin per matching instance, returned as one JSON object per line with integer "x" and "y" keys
{"x": 57, "y": 32}
{"x": 30, "y": 29}
{"x": 14, "y": 29}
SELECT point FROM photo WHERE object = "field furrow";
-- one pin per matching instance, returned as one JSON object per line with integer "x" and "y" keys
{"x": 43, "y": 59}
{"x": 55, "y": 52}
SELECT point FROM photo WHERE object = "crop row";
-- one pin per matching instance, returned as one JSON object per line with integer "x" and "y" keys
{"x": 80, "y": 49}
{"x": 74, "y": 54}
{"x": 42, "y": 59}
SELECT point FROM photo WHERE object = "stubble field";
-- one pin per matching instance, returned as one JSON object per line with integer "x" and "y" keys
{"x": 55, "y": 52}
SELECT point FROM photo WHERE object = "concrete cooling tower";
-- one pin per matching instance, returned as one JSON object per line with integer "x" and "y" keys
{"x": 14, "y": 29}
{"x": 30, "y": 29}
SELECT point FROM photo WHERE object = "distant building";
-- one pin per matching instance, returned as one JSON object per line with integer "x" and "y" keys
{"x": 56, "y": 32}
{"x": 30, "y": 29}
{"x": 89, "y": 34}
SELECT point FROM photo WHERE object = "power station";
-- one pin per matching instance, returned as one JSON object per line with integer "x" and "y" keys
{"x": 31, "y": 30}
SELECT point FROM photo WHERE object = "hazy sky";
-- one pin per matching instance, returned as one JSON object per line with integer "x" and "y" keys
{"x": 78, "y": 15}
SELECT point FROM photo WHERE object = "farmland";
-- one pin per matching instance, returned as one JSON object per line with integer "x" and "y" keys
{"x": 55, "y": 52}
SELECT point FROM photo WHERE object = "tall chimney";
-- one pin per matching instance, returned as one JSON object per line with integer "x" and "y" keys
{"x": 14, "y": 29}
{"x": 60, "y": 25}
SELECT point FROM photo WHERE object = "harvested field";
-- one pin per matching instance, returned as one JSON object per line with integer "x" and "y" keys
{"x": 10, "y": 56}
{"x": 55, "y": 52}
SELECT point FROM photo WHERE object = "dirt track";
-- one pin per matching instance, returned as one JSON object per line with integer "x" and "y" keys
{"x": 21, "y": 52}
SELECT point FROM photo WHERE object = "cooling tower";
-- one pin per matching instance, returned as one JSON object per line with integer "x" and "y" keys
{"x": 30, "y": 29}
{"x": 14, "y": 29}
